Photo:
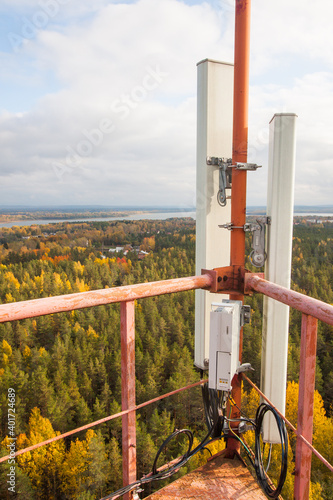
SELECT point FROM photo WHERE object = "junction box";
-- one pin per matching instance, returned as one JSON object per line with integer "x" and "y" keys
{"x": 225, "y": 325}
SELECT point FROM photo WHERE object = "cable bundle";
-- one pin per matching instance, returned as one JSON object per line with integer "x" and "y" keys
{"x": 189, "y": 435}
{"x": 263, "y": 479}
{"x": 212, "y": 405}
{"x": 158, "y": 475}
{"x": 212, "y": 401}
{"x": 214, "y": 413}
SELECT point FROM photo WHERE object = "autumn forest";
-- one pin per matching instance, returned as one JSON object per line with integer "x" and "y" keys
{"x": 65, "y": 368}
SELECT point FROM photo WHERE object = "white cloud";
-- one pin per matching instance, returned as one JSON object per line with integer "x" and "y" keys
{"x": 311, "y": 98}
{"x": 103, "y": 59}
{"x": 132, "y": 67}
{"x": 285, "y": 29}
{"x": 54, "y": 7}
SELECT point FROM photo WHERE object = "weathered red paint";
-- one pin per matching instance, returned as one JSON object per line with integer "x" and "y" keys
{"x": 127, "y": 331}
{"x": 219, "y": 479}
{"x": 51, "y": 305}
{"x": 230, "y": 279}
{"x": 239, "y": 154}
{"x": 306, "y": 305}
{"x": 307, "y": 378}
{"x": 240, "y": 130}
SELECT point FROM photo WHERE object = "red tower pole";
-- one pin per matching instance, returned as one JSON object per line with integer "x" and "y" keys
{"x": 239, "y": 154}
{"x": 240, "y": 132}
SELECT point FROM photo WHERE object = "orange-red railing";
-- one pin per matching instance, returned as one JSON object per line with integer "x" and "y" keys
{"x": 126, "y": 295}
{"x": 312, "y": 310}
{"x": 62, "y": 303}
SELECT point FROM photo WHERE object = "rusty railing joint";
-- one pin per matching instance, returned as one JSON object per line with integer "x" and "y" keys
{"x": 231, "y": 279}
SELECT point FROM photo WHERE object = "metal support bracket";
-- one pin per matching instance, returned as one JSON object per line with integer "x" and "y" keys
{"x": 247, "y": 166}
{"x": 230, "y": 226}
{"x": 243, "y": 426}
{"x": 258, "y": 255}
{"x": 245, "y": 315}
{"x": 230, "y": 279}
{"x": 225, "y": 176}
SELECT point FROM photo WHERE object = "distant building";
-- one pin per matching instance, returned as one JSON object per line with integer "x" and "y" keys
{"x": 142, "y": 254}
{"x": 116, "y": 250}
{"x": 128, "y": 248}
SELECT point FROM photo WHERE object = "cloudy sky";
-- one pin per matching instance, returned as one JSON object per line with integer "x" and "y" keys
{"x": 98, "y": 98}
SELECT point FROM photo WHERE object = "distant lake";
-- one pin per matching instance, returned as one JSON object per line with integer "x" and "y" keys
{"x": 141, "y": 216}
{"x": 313, "y": 214}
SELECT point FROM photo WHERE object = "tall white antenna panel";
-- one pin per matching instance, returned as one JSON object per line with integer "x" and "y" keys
{"x": 280, "y": 207}
{"x": 214, "y": 138}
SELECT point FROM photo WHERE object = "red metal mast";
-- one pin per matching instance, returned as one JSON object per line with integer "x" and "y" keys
{"x": 239, "y": 154}
{"x": 240, "y": 132}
